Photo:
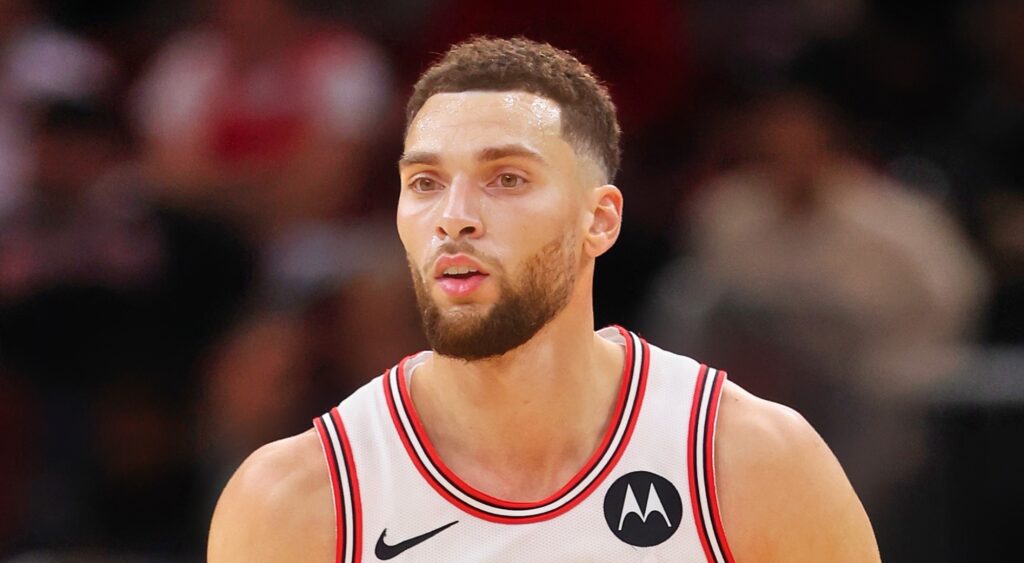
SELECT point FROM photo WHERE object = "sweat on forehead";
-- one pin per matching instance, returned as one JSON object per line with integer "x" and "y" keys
{"x": 508, "y": 109}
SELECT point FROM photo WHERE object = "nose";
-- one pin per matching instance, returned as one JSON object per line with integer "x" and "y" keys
{"x": 461, "y": 214}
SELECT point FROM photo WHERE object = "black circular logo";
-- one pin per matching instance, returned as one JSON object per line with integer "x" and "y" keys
{"x": 643, "y": 509}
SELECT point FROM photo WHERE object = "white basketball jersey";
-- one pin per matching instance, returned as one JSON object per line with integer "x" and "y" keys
{"x": 646, "y": 494}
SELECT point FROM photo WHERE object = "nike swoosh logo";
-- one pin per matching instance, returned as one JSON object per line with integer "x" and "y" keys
{"x": 384, "y": 551}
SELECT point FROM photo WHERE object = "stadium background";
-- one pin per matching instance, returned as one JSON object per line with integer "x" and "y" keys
{"x": 197, "y": 252}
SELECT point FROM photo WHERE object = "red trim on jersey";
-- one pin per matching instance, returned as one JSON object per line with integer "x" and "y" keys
{"x": 691, "y": 463}
{"x": 332, "y": 469}
{"x": 353, "y": 480}
{"x": 392, "y": 408}
{"x": 627, "y": 377}
{"x": 709, "y": 465}
{"x": 633, "y": 416}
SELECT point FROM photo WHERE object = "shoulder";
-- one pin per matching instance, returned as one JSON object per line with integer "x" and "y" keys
{"x": 783, "y": 494}
{"x": 277, "y": 507}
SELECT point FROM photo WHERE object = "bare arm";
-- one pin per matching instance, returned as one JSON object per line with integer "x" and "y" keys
{"x": 783, "y": 495}
{"x": 277, "y": 507}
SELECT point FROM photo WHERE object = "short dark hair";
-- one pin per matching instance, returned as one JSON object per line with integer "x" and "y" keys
{"x": 496, "y": 65}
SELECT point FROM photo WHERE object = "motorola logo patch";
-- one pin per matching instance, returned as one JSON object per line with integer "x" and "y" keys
{"x": 643, "y": 509}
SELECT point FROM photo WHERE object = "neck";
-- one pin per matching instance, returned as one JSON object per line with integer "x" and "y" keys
{"x": 521, "y": 425}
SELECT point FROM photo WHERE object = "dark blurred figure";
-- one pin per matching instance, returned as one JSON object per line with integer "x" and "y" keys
{"x": 268, "y": 119}
{"x": 756, "y": 44}
{"x": 280, "y": 363}
{"x": 106, "y": 302}
{"x": 825, "y": 285}
{"x": 991, "y": 137}
{"x": 263, "y": 115}
{"x": 803, "y": 226}
{"x": 38, "y": 61}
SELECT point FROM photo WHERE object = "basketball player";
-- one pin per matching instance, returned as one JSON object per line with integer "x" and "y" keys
{"x": 523, "y": 435}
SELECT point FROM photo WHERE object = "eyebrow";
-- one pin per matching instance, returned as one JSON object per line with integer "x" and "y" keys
{"x": 484, "y": 155}
{"x": 426, "y": 158}
{"x": 506, "y": 151}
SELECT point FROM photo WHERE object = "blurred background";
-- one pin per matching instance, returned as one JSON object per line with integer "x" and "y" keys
{"x": 197, "y": 251}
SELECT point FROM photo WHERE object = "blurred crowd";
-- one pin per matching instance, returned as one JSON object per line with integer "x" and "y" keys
{"x": 197, "y": 252}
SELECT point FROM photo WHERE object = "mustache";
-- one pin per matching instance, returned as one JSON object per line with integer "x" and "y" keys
{"x": 455, "y": 247}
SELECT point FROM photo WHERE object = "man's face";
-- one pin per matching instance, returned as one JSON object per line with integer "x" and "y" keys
{"x": 490, "y": 214}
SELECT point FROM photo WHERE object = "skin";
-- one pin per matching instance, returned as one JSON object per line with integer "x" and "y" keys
{"x": 783, "y": 495}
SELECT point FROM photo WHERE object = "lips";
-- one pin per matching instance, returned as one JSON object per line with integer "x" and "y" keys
{"x": 459, "y": 275}
{"x": 456, "y": 263}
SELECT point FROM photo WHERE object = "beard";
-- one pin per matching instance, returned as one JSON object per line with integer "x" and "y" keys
{"x": 526, "y": 304}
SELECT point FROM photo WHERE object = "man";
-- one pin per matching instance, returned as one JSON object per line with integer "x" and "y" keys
{"x": 523, "y": 435}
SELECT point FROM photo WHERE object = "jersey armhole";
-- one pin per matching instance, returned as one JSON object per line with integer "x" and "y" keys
{"x": 701, "y": 464}
{"x": 344, "y": 486}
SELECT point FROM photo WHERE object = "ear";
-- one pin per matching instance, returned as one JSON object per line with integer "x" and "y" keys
{"x": 605, "y": 220}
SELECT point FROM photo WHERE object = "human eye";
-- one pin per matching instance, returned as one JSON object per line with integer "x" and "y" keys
{"x": 508, "y": 180}
{"x": 424, "y": 184}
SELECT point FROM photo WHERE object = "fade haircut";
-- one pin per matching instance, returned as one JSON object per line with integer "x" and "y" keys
{"x": 497, "y": 65}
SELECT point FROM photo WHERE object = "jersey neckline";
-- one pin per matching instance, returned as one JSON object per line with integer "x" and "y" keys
{"x": 478, "y": 503}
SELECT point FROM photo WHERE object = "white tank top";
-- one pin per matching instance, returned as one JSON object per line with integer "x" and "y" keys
{"x": 647, "y": 494}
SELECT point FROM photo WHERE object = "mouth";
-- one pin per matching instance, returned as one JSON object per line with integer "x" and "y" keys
{"x": 459, "y": 273}
{"x": 459, "y": 276}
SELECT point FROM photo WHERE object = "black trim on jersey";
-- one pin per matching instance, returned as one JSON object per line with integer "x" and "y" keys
{"x": 709, "y": 436}
{"x": 709, "y": 528}
{"x": 343, "y": 465}
{"x": 698, "y": 469}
